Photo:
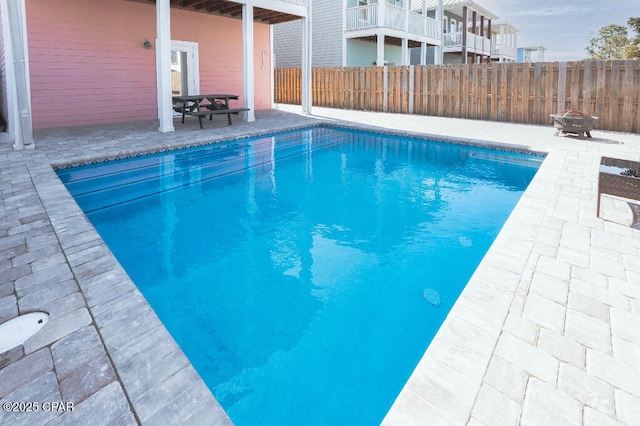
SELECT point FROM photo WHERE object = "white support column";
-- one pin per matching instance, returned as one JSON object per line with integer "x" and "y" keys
{"x": 380, "y": 49}
{"x": 439, "y": 51}
{"x": 502, "y": 43}
{"x": 405, "y": 51}
{"x": 406, "y": 58}
{"x": 247, "y": 60}
{"x": 163, "y": 65}
{"x": 19, "y": 120}
{"x": 382, "y": 7}
{"x": 406, "y": 15}
{"x": 307, "y": 78}
{"x": 423, "y": 45}
{"x": 344, "y": 28}
{"x": 465, "y": 33}
{"x": 380, "y": 35}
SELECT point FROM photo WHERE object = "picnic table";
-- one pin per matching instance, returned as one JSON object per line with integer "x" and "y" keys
{"x": 206, "y": 105}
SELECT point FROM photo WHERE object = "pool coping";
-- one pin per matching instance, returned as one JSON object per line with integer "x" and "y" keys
{"x": 334, "y": 124}
{"x": 476, "y": 321}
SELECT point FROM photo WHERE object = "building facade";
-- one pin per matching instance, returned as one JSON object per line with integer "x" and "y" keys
{"x": 361, "y": 33}
{"x": 531, "y": 54}
{"x": 69, "y": 63}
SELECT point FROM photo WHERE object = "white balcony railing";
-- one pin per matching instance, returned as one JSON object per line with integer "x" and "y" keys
{"x": 416, "y": 23}
{"x": 505, "y": 51}
{"x": 476, "y": 43}
{"x": 452, "y": 39}
{"x": 362, "y": 17}
{"x": 481, "y": 44}
{"x": 395, "y": 18}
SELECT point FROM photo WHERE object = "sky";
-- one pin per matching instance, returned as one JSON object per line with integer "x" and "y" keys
{"x": 563, "y": 27}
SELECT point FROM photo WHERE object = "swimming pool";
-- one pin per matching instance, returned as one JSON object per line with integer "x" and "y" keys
{"x": 305, "y": 273}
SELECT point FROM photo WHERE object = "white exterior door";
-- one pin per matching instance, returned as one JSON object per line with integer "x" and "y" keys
{"x": 185, "y": 75}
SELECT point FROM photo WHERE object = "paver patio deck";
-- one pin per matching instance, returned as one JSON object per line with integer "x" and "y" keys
{"x": 547, "y": 330}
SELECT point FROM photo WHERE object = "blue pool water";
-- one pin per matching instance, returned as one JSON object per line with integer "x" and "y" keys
{"x": 305, "y": 273}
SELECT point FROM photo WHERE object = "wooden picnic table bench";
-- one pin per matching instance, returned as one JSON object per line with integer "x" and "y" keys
{"x": 212, "y": 112}
{"x": 215, "y": 104}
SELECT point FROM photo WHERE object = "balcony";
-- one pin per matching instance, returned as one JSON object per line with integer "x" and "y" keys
{"x": 475, "y": 43}
{"x": 504, "y": 52}
{"x": 397, "y": 21}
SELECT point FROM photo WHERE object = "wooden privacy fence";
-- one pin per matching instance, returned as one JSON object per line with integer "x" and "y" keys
{"x": 515, "y": 92}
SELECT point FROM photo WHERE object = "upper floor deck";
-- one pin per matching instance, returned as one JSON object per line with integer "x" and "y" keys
{"x": 474, "y": 43}
{"x": 392, "y": 20}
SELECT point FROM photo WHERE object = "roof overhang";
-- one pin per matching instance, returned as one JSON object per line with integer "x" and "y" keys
{"x": 232, "y": 9}
{"x": 496, "y": 25}
{"x": 456, "y": 6}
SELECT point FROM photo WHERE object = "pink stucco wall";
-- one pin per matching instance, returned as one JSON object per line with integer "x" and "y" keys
{"x": 88, "y": 64}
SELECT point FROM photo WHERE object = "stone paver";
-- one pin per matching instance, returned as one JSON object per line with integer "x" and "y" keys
{"x": 105, "y": 406}
{"x": 627, "y": 407}
{"x": 546, "y": 405}
{"x": 534, "y": 361}
{"x": 495, "y": 408}
{"x": 587, "y": 389}
{"x": 506, "y": 378}
{"x": 40, "y": 389}
{"x": 24, "y": 371}
{"x": 589, "y": 331}
{"x": 562, "y": 347}
{"x": 545, "y": 332}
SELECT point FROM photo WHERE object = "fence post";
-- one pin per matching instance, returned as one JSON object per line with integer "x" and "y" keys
{"x": 385, "y": 88}
{"x": 562, "y": 85}
{"x": 411, "y": 88}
